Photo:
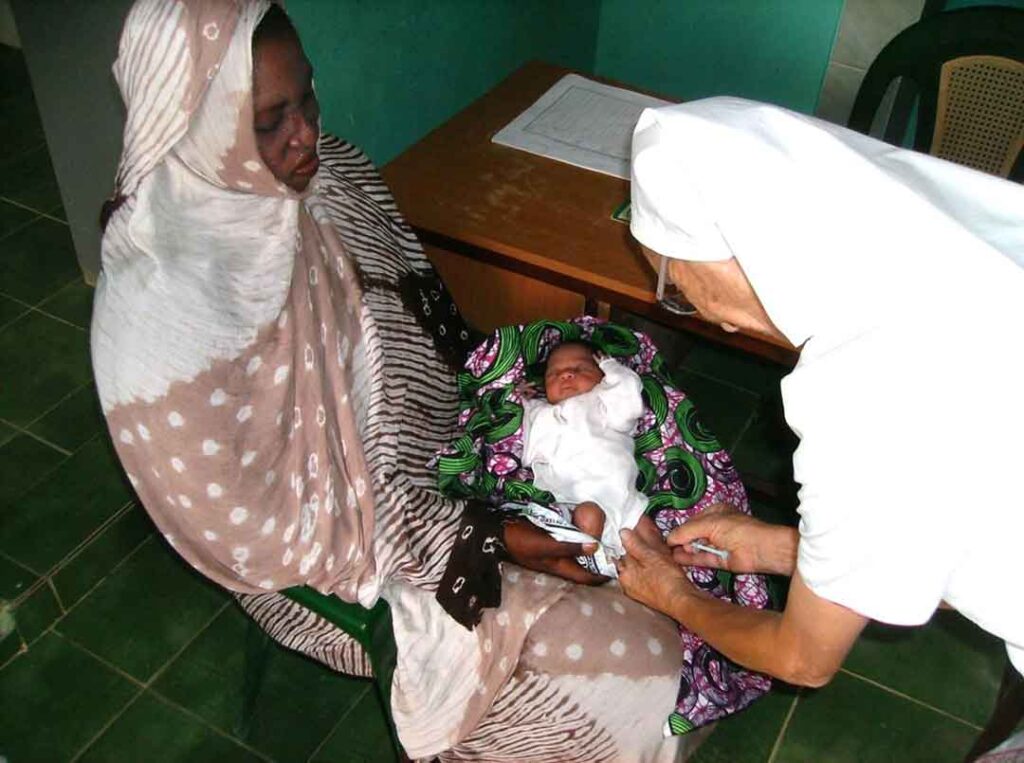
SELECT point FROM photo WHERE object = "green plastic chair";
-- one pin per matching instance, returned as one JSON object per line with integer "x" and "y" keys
{"x": 968, "y": 68}
{"x": 370, "y": 627}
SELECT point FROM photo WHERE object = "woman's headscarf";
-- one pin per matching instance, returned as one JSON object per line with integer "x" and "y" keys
{"x": 228, "y": 339}
{"x": 831, "y": 227}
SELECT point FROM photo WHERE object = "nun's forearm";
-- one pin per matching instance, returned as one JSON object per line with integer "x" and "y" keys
{"x": 805, "y": 645}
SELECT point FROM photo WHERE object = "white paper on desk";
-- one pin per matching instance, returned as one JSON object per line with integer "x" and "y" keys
{"x": 580, "y": 122}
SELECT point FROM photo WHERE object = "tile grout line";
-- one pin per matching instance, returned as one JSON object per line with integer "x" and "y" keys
{"x": 80, "y": 548}
{"x": 915, "y": 700}
{"x": 39, "y": 212}
{"x": 106, "y": 726}
{"x": 56, "y": 597}
{"x": 26, "y": 431}
{"x": 4, "y": 555}
{"x": 206, "y": 724}
{"x": 784, "y": 728}
{"x": 68, "y": 454}
{"x": 55, "y": 406}
{"x": 60, "y": 566}
{"x": 148, "y": 687}
{"x": 57, "y": 318}
{"x": 22, "y": 226}
{"x": 337, "y": 724}
{"x": 76, "y": 550}
{"x": 52, "y": 626}
{"x": 160, "y": 671}
{"x": 144, "y": 686}
{"x": 21, "y": 302}
{"x": 21, "y": 430}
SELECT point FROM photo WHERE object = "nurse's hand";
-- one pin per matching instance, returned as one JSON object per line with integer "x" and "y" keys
{"x": 753, "y": 545}
{"x": 649, "y": 574}
{"x": 531, "y": 547}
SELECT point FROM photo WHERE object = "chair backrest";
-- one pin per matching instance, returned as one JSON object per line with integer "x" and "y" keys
{"x": 968, "y": 67}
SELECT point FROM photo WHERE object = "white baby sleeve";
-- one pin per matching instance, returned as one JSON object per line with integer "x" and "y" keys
{"x": 620, "y": 394}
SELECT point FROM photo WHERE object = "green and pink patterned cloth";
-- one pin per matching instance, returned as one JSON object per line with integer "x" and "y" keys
{"x": 683, "y": 470}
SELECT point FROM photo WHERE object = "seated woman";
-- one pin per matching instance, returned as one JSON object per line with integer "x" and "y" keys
{"x": 274, "y": 400}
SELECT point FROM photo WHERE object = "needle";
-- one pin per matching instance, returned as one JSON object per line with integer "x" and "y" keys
{"x": 723, "y": 555}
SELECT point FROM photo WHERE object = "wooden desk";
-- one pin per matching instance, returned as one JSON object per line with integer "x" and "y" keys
{"x": 518, "y": 237}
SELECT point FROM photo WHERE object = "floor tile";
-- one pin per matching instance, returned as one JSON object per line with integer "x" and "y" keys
{"x": 13, "y": 72}
{"x": 7, "y": 433}
{"x": 72, "y": 421}
{"x": 360, "y": 737}
{"x": 144, "y": 612}
{"x": 58, "y": 514}
{"x": 749, "y": 736}
{"x": 73, "y": 303}
{"x": 734, "y": 366}
{"x": 949, "y": 663}
{"x": 20, "y": 127}
{"x": 54, "y": 699}
{"x": 11, "y": 645}
{"x": 23, "y": 462}
{"x": 765, "y": 449}
{"x": 13, "y": 217}
{"x": 15, "y": 580}
{"x": 9, "y": 310}
{"x": 37, "y": 260}
{"x": 58, "y": 212}
{"x": 28, "y": 179}
{"x": 95, "y": 561}
{"x": 151, "y": 730}
{"x": 850, "y": 721}
{"x": 44, "y": 360}
{"x": 724, "y": 409}
{"x": 37, "y": 612}
{"x": 297, "y": 692}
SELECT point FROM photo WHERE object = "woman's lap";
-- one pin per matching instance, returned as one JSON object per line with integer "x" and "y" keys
{"x": 596, "y": 679}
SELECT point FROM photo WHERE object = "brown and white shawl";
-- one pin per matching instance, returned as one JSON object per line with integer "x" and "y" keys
{"x": 240, "y": 370}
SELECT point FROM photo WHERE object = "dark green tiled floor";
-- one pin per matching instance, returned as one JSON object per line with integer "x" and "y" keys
{"x": 122, "y": 653}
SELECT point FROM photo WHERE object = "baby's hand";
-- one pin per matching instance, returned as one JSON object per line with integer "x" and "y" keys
{"x": 527, "y": 390}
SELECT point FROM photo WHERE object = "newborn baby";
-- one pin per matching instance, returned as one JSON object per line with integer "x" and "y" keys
{"x": 579, "y": 443}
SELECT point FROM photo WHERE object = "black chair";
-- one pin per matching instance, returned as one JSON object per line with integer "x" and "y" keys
{"x": 968, "y": 68}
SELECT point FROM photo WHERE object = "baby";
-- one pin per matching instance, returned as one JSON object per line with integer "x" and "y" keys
{"x": 579, "y": 443}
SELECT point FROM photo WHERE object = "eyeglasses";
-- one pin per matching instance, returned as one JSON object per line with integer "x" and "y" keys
{"x": 668, "y": 294}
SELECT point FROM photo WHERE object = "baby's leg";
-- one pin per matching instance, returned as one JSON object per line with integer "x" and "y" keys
{"x": 589, "y": 517}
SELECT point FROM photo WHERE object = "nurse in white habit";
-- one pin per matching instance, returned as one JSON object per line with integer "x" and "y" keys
{"x": 900, "y": 278}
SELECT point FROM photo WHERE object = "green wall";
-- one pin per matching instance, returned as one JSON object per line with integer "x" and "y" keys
{"x": 389, "y": 71}
{"x": 770, "y": 50}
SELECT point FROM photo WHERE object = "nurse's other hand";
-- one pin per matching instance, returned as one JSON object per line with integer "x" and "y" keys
{"x": 649, "y": 574}
{"x": 531, "y": 547}
{"x": 753, "y": 545}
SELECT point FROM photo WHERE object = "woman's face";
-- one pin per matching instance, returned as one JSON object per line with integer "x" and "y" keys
{"x": 286, "y": 113}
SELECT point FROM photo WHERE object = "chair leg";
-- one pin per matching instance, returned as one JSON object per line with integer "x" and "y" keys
{"x": 257, "y": 655}
{"x": 1007, "y": 714}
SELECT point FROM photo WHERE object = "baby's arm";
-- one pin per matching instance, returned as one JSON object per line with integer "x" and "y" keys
{"x": 621, "y": 394}
{"x": 533, "y": 408}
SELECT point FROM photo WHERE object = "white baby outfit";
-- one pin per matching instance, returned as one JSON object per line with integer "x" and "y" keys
{"x": 581, "y": 449}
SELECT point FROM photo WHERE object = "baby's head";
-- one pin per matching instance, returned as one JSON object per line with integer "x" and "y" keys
{"x": 571, "y": 370}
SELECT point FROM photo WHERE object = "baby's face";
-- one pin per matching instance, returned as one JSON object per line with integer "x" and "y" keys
{"x": 571, "y": 371}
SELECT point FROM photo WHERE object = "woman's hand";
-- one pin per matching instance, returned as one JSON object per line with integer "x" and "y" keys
{"x": 649, "y": 574}
{"x": 753, "y": 545}
{"x": 531, "y": 547}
